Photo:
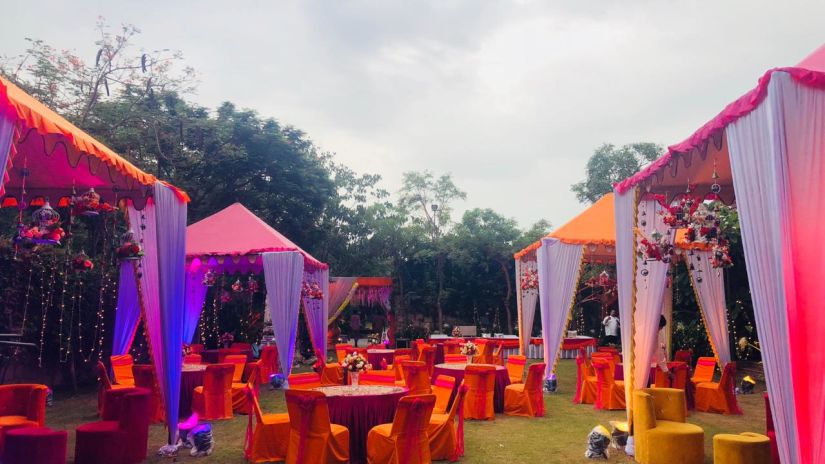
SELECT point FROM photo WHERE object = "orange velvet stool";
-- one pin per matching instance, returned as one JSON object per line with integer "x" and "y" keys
{"x": 144, "y": 375}
{"x": 405, "y": 440}
{"x": 480, "y": 380}
{"x": 443, "y": 390}
{"x": 122, "y": 368}
{"x": 526, "y": 399}
{"x": 312, "y": 438}
{"x": 515, "y": 367}
{"x": 214, "y": 399}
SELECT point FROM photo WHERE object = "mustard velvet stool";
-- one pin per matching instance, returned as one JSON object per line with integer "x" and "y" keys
{"x": 659, "y": 429}
{"x": 745, "y": 448}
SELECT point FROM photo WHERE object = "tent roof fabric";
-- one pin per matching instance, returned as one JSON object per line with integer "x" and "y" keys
{"x": 594, "y": 226}
{"x": 375, "y": 281}
{"x": 809, "y": 72}
{"x": 35, "y": 115}
{"x": 236, "y": 231}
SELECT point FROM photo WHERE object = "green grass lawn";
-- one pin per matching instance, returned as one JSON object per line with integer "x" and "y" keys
{"x": 559, "y": 437}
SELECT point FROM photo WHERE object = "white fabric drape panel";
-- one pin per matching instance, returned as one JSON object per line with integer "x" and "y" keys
{"x": 315, "y": 311}
{"x": 340, "y": 290}
{"x": 650, "y": 291}
{"x": 759, "y": 192}
{"x": 559, "y": 266}
{"x": 529, "y": 299}
{"x": 7, "y": 121}
{"x": 711, "y": 291}
{"x": 127, "y": 311}
{"x": 522, "y": 343}
{"x": 625, "y": 214}
{"x": 283, "y": 273}
{"x": 195, "y": 297}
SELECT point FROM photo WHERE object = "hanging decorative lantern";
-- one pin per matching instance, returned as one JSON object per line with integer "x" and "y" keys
{"x": 129, "y": 248}
{"x": 210, "y": 278}
{"x": 237, "y": 287}
{"x": 82, "y": 263}
{"x": 656, "y": 248}
{"x": 604, "y": 279}
{"x": 45, "y": 228}
{"x": 88, "y": 203}
{"x": 252, "y": 285}
{"x": 312, "y": 291}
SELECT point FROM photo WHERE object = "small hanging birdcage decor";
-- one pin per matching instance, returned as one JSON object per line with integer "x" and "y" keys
{"x": 129, "y": 248}
{"x": 252, "y": 285}
{"x": 45, "y": 228}
{"x": 237, "y": 287}
{"x": 210, "y": 278}
{"x": 88, "y": 203}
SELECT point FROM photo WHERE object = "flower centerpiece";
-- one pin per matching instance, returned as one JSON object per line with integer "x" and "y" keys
{"x": 129, "y": 248}
{"x": 355, "y": 364}
{"x": 227, "y": 339}
{"x": 470, "y": 350}
{"x": 456, "y": 332}
{"x": 45, "y": 228}
{"x": 312, "y": 291}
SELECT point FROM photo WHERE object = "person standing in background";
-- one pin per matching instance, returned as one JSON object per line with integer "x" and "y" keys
{"x": 611, "y": 328}
{"x": 355, "y": 326}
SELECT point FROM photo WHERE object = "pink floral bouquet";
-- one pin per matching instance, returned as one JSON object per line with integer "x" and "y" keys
{"x": 355, "y": 362}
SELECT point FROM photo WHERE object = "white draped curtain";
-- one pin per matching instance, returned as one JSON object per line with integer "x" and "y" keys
{"x": 559, "y": 266}
{"x": 283, "y": 274}
{"x": 315, "y": 311}
{"x": 625, "y": 214}
{"x": 194, "y": 299}
{"x": 529, "y": 299}
{"x": 340, "y": 292}
{"x": 709, "y": 284}
{"x": 7, "y": 121}
{"x": 651, "y": 281}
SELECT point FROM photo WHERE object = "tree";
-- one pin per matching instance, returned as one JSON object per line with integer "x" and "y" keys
{"x": 430, "y": 201}
{"x": 609, "y": 165}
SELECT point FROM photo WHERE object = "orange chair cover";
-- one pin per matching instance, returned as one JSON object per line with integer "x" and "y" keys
{"x": 719, "y": 397}
{"x": 192, "y": 359}
{"x": 269, "y": 363}
{"x": 455, "y": 358}
{"x": 705, "y": 368}
{"x": 607, "y": 356}
{"x": 122, "y": 368}
{"x": 526, "y": 399}
{"x": 144, "y": 376}
{"x": 397, "y": 366}
{"x": 312, "y": 439}
{"x": 498, "y": 358}
{"x": 331, "y": 373}
{"x": 685, "y": 356}
{"x": 607, "y": 349}
{"x": 196, "y": 348}
{"x": 586, "y": 384}
{"x": 104, "y": 385}
{"x": 447, "y": 441}
{"x": 680, "y": 376}
{"x": 452, "y": 347}
{"x": 485, "y": 355}
{"x": 416, "y": 377}
{"x": 214, "y": 399}
{"x": 386, "y": 378}
{"x": 239, "y": 361}
{"x": 480, "y": 381}
{"x": 240, "y": 399}
{"x": 341, "y": 351}
{"x": 269, "y": 438}
{"x": 306, "y": 381}
{"x": 405, "y": 441}
{"x": 443, "y": 389}
{"x": 515, "y": 367}
{"x": 609, "y": 393}
{"x": 427, "y": 356}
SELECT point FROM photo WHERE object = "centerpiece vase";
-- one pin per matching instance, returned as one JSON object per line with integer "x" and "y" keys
{"x": 353, "y": 378}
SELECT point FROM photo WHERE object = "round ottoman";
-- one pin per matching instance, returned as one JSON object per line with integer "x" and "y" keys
{"x": 35, "y": 445}
{"x": 745, "y": 448}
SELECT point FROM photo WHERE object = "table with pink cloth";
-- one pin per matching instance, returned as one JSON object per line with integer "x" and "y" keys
{"x": 456, "y": 370}
{"x": 360, "y": 408}
{"x": 374, "y": 356}
{"x": 191, "y": 377}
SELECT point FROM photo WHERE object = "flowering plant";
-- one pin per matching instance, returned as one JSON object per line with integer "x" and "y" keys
{"x": 456, "y": 332}
{"x": 252, "y": 285}
{"x": 469, "y": 349}
{"x": 679, "y": 216}
{"x": 529, "y": 279}
{"x": 354, "y": 362}
{"x": 721, "y": 256}
{"x": 312, "y": 291}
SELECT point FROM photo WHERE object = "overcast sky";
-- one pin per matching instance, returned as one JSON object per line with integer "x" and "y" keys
{"x": 511, "y": 97}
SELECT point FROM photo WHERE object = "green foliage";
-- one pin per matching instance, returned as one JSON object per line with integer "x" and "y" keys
{"x": 610, "y": 164}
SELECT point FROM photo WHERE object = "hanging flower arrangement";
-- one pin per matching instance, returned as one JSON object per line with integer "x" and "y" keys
{"x": 89, "y": 204}
{"x": 237, "y": 287}
{"x": 252, "y": 285}
{"x": 720, "y": 256}
{"x": 226, "y": 297}
{"x": 129, "y": 248}
{"x": 312, "y": 291}
{"x": 82, "y": 263}
{"x": 45, "y": 228}
{"x": 227, "y": 339}
{"x": 655, "y": 248}
{"x": 210, "y": 278}
{"x": 709, "y": 226}
{"x": 679, "y": 215}
{"x": 529, "y": 280}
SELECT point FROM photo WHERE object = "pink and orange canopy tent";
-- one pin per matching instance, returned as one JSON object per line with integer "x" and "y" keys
{"x": 361, "y": 291}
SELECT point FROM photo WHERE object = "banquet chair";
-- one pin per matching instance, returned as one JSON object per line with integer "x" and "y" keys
{"x": 104, "y": 385}
{"x": 196, "y": 348}
{"x": 270, "y": 435}
{"x": 21, "y": 405}
{"x": 306, "y": 381}
{"x": 341, "y": 351}
{"x": 606, "y": 356}
{"x": 331, "y": 373}
{"x": 192, "y": 359}
{"x": 416, "y": 377}
{"x": 586, "y": 384}
{"x": 427, "y": 355}
{"x": 769, "y": 430}
{"x": 607, "y": 349}
{"x": 240, "y": 347}
{"x": 386, "y": 378}
{"x": 526, "y": 399}
{"x": 312, "y": 438}
{"x": 122, "y": 440}
{"x": 705, "y": 367}
{"x": 239, "y": 361}
{"x": 452, "y": 347}
{"x": 447, "y": 440}
{"x": 661, "y": 379}
{"x": 481, "y": 382}
{"x": 416, "y": 348}
{"x": 609, "y": 392}
{"x": 397, "y": 367}
{"x": 455, "y": 358}
{"x": 213, "y": 400}
{"x": 443, "y": 390}
{"x": 405, "y": 440}
{"x": 269, "y": 363}
{"x": 144, "y": 375}
{"x": 240, "y": 400}
{"x": 484, "y": 355}
{"x": 660, "y": 430}
{"x": 679, "y": 376}
{"x": 404, "y": 352}
{"x": 122, "y": 368}
{"x": 719, "y": 397}
{"x": 685, "y": 356}
{"x": 498, "y": 354}
{"x": 515, "y": 367}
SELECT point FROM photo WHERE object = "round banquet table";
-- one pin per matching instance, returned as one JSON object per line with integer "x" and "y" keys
{"x": 360, "y": 408}
{"x": 456, "y": 370}
{"x": 374, "y": 356}
{"x": 191, "y": 376}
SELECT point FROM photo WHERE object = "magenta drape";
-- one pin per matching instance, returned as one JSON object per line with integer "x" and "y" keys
{"x": 283, "y": 273}
{"x": 194, "y": 298}
{"x": 127, "y": 312}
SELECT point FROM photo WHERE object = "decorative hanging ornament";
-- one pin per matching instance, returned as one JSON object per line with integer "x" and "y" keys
{"x": 237, "y": 287}
{"x": 529, "y": 280}
{"x": 44, "y": 230}
{"x": 656, "y": 248}
{"x": 715, "y": 188}
{"x": 129, "y": 248}
{"x": 82, "y": 263}
{"x": 89, "y": 204}
{"x": 210, "y": 278}
{"x": 312, "y": 291}
{"x": 252, "y": 285}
